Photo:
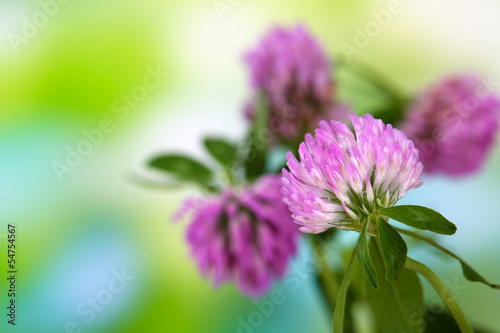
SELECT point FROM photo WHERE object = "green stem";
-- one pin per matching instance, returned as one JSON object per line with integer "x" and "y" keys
{"x": 327, "y": 278}
{"x": 338, "y": 314}
{"x": 425, "y": 239}
{"x": 229, "y": 175}
{"x": 469, "y": 273}
{"x": 443, "y": 292}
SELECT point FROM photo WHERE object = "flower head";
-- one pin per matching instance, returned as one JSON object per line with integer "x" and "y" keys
{"x": 244, "y": 235}
{"x": 342, "y": 177}
{"x": 292, "y": 72}
{"x": 453, "y": 124}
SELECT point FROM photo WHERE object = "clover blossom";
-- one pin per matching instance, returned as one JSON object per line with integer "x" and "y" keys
{"x": 292, "y": 72}
{"x": 453, "y": 124}
{"x": 244, "y": 235}
{"x": 342, "y": 177}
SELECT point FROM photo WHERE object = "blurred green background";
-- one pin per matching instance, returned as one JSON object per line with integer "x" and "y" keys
{"x": 78, "y": 227}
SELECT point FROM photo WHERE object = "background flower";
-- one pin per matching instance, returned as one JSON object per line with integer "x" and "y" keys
{"x": 454, "y": 124}
{"x": 343, "y": 176}
{"x": 293, "y": 73}
{"x": 244, "y": 235}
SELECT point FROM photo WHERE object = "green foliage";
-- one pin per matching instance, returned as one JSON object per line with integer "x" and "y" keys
{"x": 182, "y": 168}
{"x": 472, "y": 275}
{"x": 469, "y": 273}
{"x": 421, "y": 218}
{"x": 255, "y": 162}
{"x": 443, "y": 291}
{"x": 393, "y": 248}
{"x": 339, "y": 312}
{"x": 397, "y": 306}
{"x": 371, "y": 92}
{"x": 223, "y": 151}
{"x": 363, "y": 256}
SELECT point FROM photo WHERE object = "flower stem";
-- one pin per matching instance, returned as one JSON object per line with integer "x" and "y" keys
{"x": 338, "y": 314}
{"x": 327, "y": 279}
{"x": 443, "y": 291}
{"x": 469, "y": 273}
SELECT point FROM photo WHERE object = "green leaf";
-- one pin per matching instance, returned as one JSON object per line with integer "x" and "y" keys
{"x": 222, "y": 150}
{"x": 393, "y": 248}
{"x": 183, "y": 168}
{"x": 255, "y": 161}
{"x": 470, "y": 273}
{"x": 363, "y": 256}
{"x": 366, "y": 81}
{"x": 397, "y": 306}
{"x": 421, "y": 218}
{"x": 338, "y": 313}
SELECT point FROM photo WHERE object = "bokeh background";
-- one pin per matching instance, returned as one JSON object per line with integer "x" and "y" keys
{"x": 75, "y": 231}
